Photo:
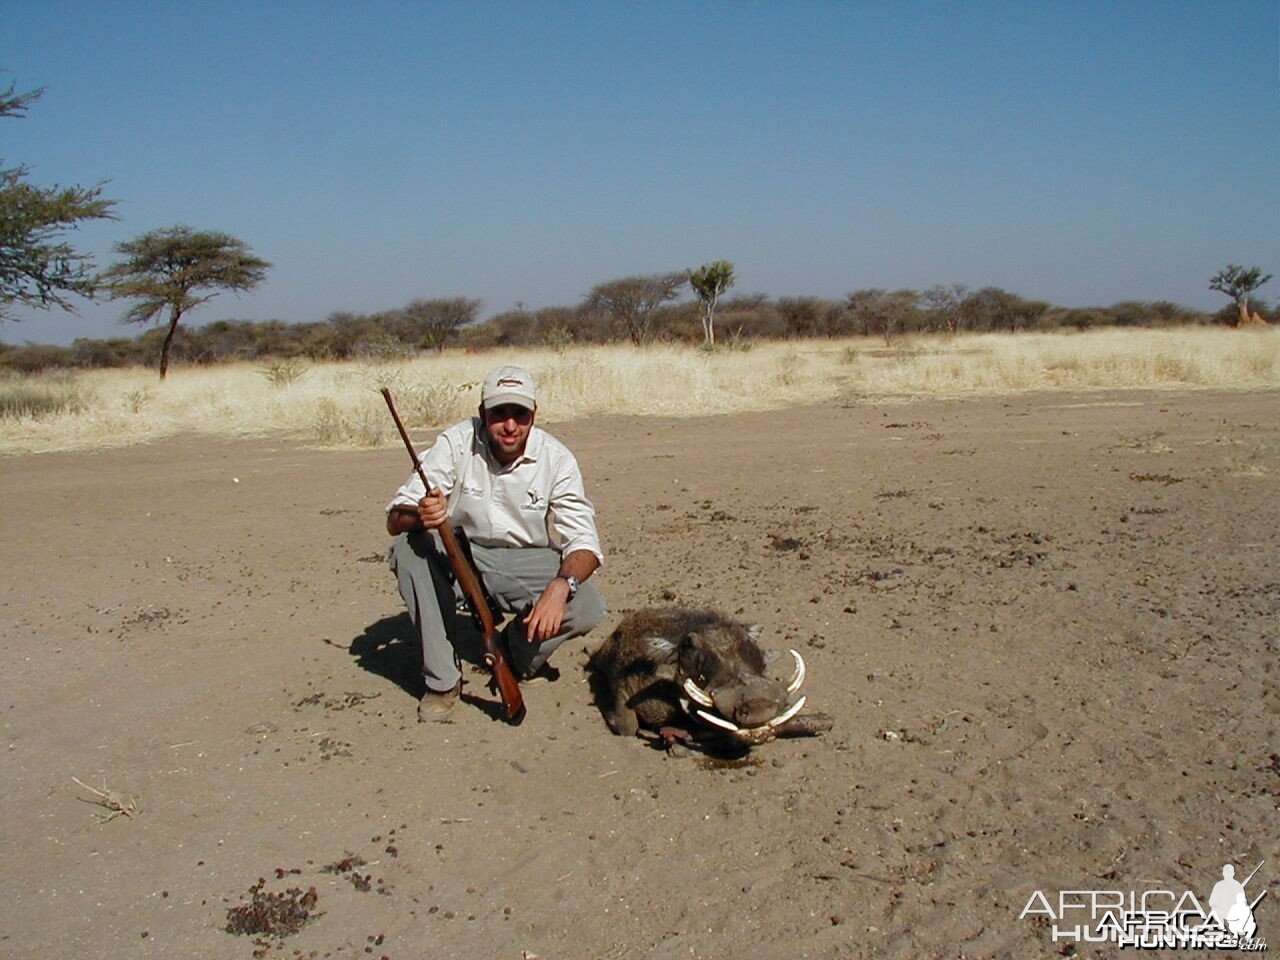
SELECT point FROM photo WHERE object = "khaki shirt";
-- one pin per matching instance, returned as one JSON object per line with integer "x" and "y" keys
{"x": 538, "y": 501}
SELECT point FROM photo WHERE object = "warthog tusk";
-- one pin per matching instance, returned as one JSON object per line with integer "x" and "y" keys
{"x": 718, "y": 721}
{"x": 797, "y": 678}
{"x": 784, "y": 717}
{"x": 697, "y": 694}
{"x": 768, "y": 725}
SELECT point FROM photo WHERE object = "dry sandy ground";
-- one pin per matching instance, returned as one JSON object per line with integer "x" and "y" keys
{"x": 1046, "y": 628}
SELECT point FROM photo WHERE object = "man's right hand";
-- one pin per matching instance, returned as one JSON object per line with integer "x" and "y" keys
{"x": 433, "y": 510}
{"x": 430, "y": 513}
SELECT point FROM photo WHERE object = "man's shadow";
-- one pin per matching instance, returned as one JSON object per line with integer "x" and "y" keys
{"x": 388, "y": 648}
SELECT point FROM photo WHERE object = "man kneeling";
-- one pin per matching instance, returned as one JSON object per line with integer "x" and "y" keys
{"x": 517, "y": 493}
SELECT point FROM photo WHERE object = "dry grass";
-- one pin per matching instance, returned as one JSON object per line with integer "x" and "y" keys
{"x": 338, "y": 404}
{"x": 1103, "y": 359}
{"x": 115, "y": 803}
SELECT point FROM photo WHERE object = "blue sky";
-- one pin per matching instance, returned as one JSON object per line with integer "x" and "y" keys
{"x": 375, "y": 152}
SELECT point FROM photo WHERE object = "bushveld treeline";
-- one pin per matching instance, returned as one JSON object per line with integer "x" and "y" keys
{"x": 430, "y": 325}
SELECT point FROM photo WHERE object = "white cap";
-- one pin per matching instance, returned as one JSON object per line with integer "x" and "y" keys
{"x": 508, "y": 385}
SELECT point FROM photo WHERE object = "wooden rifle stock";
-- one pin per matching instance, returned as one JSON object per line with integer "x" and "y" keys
{"x": 503, "y": 680}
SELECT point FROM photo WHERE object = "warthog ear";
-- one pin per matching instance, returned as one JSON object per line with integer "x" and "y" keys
{"x": 661, "y": 649}
{"x": 754, "y": 630}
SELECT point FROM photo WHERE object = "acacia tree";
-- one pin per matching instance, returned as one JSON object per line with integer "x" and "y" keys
{"x": 709, "y": 282}
{"x": 632, "y": 301}
{"x": 802, "y": 316}
{"x": 992, "y": 308}
{"x": 436, "y": 320}
{"x": 1238, "y": 283}
{"x": 38, "y": 269}
{"x": 179, "y": 268}
{"x": 888, "y": 312}
{"x": 943, "y": 302}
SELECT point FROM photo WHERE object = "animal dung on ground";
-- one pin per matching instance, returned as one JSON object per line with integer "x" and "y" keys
{"x": 272, "y": 914}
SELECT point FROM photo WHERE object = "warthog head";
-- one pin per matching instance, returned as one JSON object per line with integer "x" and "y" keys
{"x": 721, "y": 669}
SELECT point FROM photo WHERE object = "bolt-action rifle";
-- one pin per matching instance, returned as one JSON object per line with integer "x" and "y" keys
{"x": 503, "y": 680}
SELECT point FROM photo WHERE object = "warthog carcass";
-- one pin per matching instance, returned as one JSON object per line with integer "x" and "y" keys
{"x": 677, "y": 670}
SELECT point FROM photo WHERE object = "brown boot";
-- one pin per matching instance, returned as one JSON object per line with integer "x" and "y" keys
{"x": 434, "y": 707}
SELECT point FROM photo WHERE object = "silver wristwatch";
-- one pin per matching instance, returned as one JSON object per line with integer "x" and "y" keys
{"x": 573, "y": 586}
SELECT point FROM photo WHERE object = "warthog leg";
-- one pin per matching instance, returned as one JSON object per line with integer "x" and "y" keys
{"x": 673, "y": 735}
{"x": 716, "y": 741}
{"x": 810, "y": 725}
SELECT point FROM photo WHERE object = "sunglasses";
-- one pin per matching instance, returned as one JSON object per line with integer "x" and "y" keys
{"x": 509, "y": 411}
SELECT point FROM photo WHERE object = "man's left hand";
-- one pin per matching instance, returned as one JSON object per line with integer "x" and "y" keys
{"x": 544, "y": 620}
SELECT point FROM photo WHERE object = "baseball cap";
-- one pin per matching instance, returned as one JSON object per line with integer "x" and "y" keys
{"x": 508, "y": 385}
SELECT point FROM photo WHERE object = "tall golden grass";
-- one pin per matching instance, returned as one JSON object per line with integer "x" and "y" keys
{"x": 337, "y": 404}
